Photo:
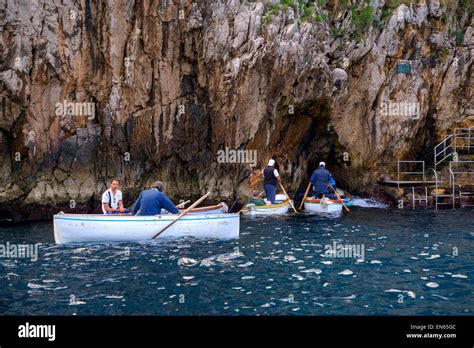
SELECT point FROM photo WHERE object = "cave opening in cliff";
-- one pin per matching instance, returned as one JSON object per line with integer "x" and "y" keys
{"x": 307, "y": 138}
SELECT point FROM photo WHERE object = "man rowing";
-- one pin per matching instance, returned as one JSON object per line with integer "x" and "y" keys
{"x": 271, "y": 179}
{"x": 112, "y": 199}
{"x": 151, "y": 201}
{"x": 320, "y": 180}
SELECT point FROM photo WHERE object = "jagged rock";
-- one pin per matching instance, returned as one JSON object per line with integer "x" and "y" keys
{"x": 42, "y": 193}
{"x": 11, "y": 81}
{"x": 434, "y": 8}
{"x": 10, "y": 193}
{"x": 195, "y": 19}
{"x": 169, "y": 91}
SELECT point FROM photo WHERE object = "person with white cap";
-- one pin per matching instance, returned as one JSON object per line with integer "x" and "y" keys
{"x": 271, "y": 180}
{"x": 320, "y": 180}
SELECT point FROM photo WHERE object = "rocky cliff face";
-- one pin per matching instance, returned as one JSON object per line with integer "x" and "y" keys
{"x": 139, "y": 90}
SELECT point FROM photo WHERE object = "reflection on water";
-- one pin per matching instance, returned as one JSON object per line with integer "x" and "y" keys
{"x": 415, "y": 263}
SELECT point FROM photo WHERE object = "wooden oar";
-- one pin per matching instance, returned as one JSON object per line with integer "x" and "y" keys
{"x": 232, "y": 206}
{"x": 286, "y": 194}
{"x": 337, "y": 194}
{"x": 305, "y": 194}
{"x": 181, "y": 205}
{"x": 242, "y": 210}
{"x": 182, "y": 214}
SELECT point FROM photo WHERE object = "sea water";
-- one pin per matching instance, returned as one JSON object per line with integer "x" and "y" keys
{"x": 407, "y": 263}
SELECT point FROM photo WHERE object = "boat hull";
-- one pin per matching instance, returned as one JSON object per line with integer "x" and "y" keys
{"x": 274, "y": 209}
{"x": 315, "y": 206}
{"x": 78, "y": 228}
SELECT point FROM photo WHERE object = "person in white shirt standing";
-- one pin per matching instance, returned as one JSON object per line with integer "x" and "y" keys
{"x": 112, "y": 199}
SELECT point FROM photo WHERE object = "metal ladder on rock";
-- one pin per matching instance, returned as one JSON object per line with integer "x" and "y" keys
{"x": 461, "y": 140}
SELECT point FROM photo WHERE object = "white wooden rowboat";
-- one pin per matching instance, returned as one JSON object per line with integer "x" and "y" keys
{"x": 274, "y": 209}
{"x": 78, "y": 228}
{"x": 312, "y": 205}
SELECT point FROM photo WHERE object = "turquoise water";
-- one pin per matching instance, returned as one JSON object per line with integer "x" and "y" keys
{"x": 415, "y": 263}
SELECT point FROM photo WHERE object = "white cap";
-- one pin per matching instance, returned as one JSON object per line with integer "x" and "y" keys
{"x": 322, "y": 164}
{"x": 271, "y": 163}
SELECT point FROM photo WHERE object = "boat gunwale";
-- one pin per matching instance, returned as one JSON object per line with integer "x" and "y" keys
{"x": 279, "y": 205}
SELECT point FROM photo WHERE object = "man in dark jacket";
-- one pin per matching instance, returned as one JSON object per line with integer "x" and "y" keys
{"x": 320, "y": 179}
{"x": 151, "y": 201}
{"x": 271, "y": 179}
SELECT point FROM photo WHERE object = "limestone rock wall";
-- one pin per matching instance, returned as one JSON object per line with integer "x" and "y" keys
{"x": 173, "y": 82}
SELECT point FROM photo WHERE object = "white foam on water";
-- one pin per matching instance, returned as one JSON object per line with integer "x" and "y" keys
{"x": 407, "y": 271}
{"x": 327, "y": 262}
{"x": 459, "y": 276}
{"x": 442, "y": 297}
{"x": 393, "y": 290}
{"x": 368, "y": 203}
{"x": 187, "y": 261}
{"x": 247, "y": 277}
{"x": 36, "y": 286}
{"x": 432, "y": 285}
{"x": 351, "y": 297}
{"x": 188, "y": 277}
{"x": 297, "y": 276}
{"x": 313, "y": 270}
{"x": 288, "y": 299}
{"x": 246, "y": 264}
{"x": 375, "y": 262}
{"x": 411, "y": 294}
{"x": 346, "y": 272}
{"x": 290, "y": 258}
{"x": 227, "y": 257}
{"x": 433, "y": 257}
